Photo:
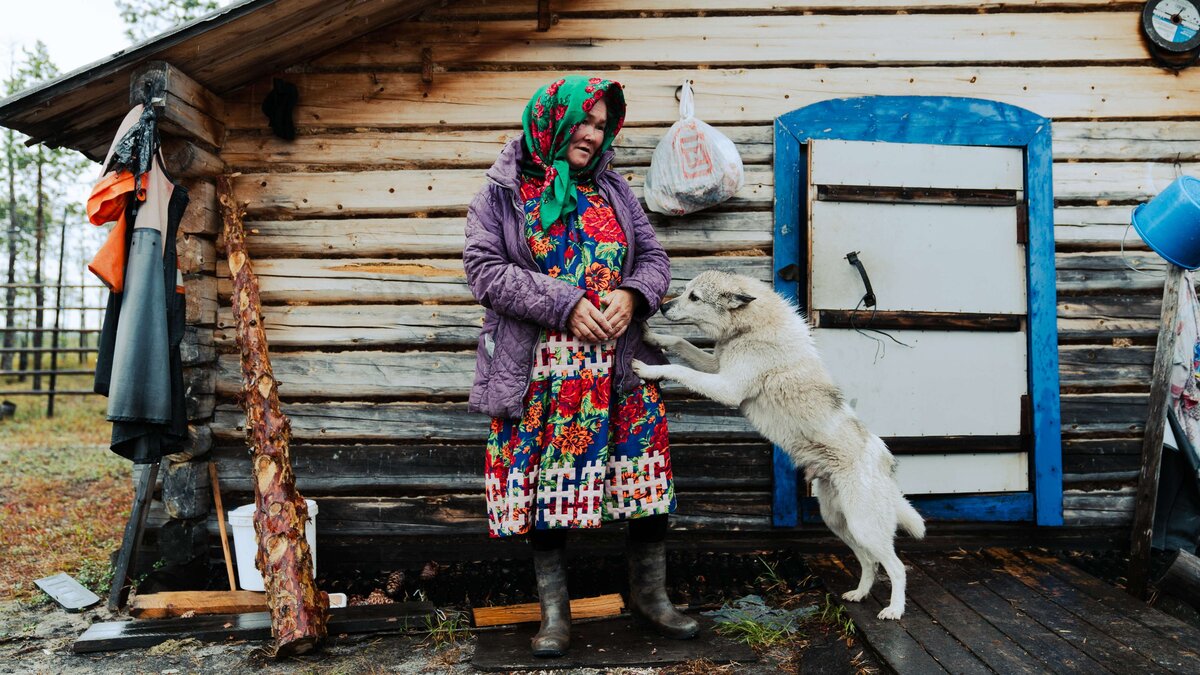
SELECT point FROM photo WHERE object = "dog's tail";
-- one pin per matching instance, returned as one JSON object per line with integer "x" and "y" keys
{"x": 909, "y": 519}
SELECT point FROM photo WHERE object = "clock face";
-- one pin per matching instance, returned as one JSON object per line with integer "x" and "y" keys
{"x": 1173, "y": 25}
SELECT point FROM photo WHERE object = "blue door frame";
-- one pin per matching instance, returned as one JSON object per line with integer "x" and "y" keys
{"x": 943, "y": 121}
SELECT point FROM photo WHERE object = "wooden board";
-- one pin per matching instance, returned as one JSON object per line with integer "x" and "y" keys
{"x": 113, "y": 635}
{"x": 581, "y": 608}
{"x": 932, "y": 387}
{"x": 914, "y": 165}
{"x": 963, "y": 473}
{"x": 729, "y": 95}
{"x": 749, "y": 40}
{"x": 919, "y": 257}
{"x": 608, "y": 7}
{"x": 161, "y": 605}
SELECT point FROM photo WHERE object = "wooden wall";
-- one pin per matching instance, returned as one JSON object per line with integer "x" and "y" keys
{"x": 356, "y": 227}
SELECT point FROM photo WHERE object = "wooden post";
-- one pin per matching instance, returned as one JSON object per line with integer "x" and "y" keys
{"x": 1147, "y": 492}
{"x": 298, "y": 610}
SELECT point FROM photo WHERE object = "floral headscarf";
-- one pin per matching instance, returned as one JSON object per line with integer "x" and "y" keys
{"x": 550, "y": 118}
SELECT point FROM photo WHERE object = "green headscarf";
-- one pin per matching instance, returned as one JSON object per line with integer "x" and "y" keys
{"x": 550, "y": 118}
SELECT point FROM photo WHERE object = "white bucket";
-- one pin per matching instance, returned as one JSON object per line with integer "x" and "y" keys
{"x": 245, "y": 543}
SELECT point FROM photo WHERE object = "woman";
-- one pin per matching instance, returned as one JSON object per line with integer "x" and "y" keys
{"x": 563, "y": 257}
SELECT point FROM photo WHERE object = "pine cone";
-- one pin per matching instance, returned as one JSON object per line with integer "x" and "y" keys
{"x": 378, "y": 597}
{"x": 429, "y": 572}
{"x": 395, "y": 583}
{"x": 356, "y": 600}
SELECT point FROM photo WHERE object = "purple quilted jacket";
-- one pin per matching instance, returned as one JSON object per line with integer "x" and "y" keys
{"x": 521, "y": 300}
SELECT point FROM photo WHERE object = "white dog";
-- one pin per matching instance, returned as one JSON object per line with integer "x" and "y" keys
{"x": 766, "y": 365}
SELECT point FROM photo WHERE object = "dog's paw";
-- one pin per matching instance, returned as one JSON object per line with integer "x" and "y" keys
{"x": 855, "y": 595}
{"x": 659, "y": 340}
{"x": 646, "y": 371}
{"x": 891, "y": 613}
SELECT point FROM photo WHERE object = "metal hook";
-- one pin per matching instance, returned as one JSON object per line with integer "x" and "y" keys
{"x": 679, "y": 90}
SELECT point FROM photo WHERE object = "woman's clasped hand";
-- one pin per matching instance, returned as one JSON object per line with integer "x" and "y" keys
{"x": 592, "y": 324}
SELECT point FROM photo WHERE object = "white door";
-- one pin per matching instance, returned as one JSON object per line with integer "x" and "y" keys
{"x": 942, "y": 354}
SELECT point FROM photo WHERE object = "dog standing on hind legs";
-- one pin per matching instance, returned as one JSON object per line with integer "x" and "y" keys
{"x": 766, "y": 365}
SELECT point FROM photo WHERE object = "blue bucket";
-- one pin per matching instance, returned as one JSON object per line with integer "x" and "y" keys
{"x": 1170, "y": 223}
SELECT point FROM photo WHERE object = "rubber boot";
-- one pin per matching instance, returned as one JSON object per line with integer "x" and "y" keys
{"x": 555, "y": 634}
{"x": 648, "y": 599}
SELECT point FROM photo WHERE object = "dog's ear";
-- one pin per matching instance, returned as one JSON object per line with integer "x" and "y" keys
{"x": 736, "y": 300}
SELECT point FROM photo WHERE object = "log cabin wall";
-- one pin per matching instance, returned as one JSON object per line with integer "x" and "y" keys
{"x": 355, "y": 228}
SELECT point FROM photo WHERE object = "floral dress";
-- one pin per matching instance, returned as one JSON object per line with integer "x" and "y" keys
{"x": 579, "y": 456}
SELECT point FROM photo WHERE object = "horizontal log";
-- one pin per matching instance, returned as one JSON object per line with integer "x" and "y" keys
{"x": 1099, "y": 272}
{"x": 422, "y": 280}
{"x": 196, "y": 254}
{"x": 1103, "y": 415}
{"x": 189, "y": 110}
{"x": 200, "y": 442}
{"x": 186, "y": 159}
{"x": 200, "y": 303}
{"x": 453, "y": 149}
{"x": 377, "y": 326}
{"x": 197, "y": 346}
{"x": 340, "y": 193}
{"x": 1100, "y": 500}
{"x": 524, "y": 8}
{"x": 1155, "y": 140}
{"x": 705, "y": 232}
{"x": 1090, "y": 228}
{"x": 391, "y": 469}
{"x": 201, "y": 216}
{"x": 1103, "y": 318}
{"x": 729, "y": 96}
{"x": 754, "y": 40}
{"x": 1086, "y": 518}
{"x": 445, "y": 422}
{"x": 382, "y": 193}
{"x": 1082, "y": 368}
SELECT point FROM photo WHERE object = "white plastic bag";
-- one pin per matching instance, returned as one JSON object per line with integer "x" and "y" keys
{"x": 694, "y": 165}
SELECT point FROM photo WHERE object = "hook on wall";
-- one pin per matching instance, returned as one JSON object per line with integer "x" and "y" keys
{"x": 679, "y": 89}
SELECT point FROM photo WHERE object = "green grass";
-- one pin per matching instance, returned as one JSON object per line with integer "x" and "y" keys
{"x": 834, "y": 615}
{"x": 64, "y": 497}
{"x": 754, "y": 634}
{"x": 446, "y": 629}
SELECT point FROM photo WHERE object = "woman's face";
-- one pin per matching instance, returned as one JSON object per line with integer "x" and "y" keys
{"x": 585, "y": 142}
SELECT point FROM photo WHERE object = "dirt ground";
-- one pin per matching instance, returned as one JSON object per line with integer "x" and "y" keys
{"x": 37, "y": 639}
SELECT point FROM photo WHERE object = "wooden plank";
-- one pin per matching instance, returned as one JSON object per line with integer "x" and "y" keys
{"x": 1098, "y": 272}
{"x": 1052, "y": 650}
{"x": 941, "y": 644}
{"x": 1098, "y": 644}
{"x": 1158, "y": 140}
{"x": 963, "y": 474}
{"x": 132, "y": 538}
{"x": 362, "y": 326}
{"x": 411, "y": 237}
{"x": 444, "y": 149}
{"x": 829, "y": 318}
{"x": 1084, "y": 368}
{"x": 422, "y": 280}
{"x": 422, "y": 191}
{"x": 581, "y": 608}
{"x": 388, "y": 470}
{"x": 200, "y": 304}
{"x": 113, "y": 635}
{"x": 1104, "y": 318}
{"x": 342, "y": 193}
{"x": 894, "y": 240}
{"x": 749, "y": 40}
{"x": 400, "y": 422}
{"x": 1102, "y": 415}
{"x": 1117, "y": 620}
{"x": 894, "y": 646}
{"x": 730, "y": 96}
{"x": 168, "y": 604}
{"x": 1079, "y": 228}
{"x": 1152, "y": 441}
{"x": 201, "y": 216}
{"x": 185, "y": 159}
{"x": 915, "y": 165}
{"x": 978, "y": 635}
{"x": 524, "y": 8}
{"x": 917, "y": 390}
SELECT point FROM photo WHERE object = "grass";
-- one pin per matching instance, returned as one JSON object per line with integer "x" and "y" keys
{"x": 446, "y": 629}
{"x": 64, "y": 497}
{"x": 834, "y": 615}
{"x": 756, "y": 635}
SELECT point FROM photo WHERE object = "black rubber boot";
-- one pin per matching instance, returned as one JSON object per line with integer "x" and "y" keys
{"x": 555, "y": 635}
{"x": 648, "y": 592}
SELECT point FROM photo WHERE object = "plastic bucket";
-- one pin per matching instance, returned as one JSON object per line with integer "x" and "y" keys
{"x": 245, "y": 543}
{"x": 1170, "y": 223}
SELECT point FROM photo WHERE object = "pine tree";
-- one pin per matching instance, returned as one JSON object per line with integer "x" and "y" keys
{"x": 147, "y": 18}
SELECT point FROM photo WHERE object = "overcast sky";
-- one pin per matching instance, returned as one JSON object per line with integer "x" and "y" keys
{"x": 77, "y": 32}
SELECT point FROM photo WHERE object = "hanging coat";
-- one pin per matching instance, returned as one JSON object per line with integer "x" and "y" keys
{"x": 139, "y": 367}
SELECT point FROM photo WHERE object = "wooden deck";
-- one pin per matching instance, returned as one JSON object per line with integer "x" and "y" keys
{"x": 1007, "y": 611}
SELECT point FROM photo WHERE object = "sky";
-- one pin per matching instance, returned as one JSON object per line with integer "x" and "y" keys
{"x": 76, "y": 32}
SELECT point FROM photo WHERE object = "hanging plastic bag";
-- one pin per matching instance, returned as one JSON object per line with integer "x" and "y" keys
{"x": 694, "y": 165}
